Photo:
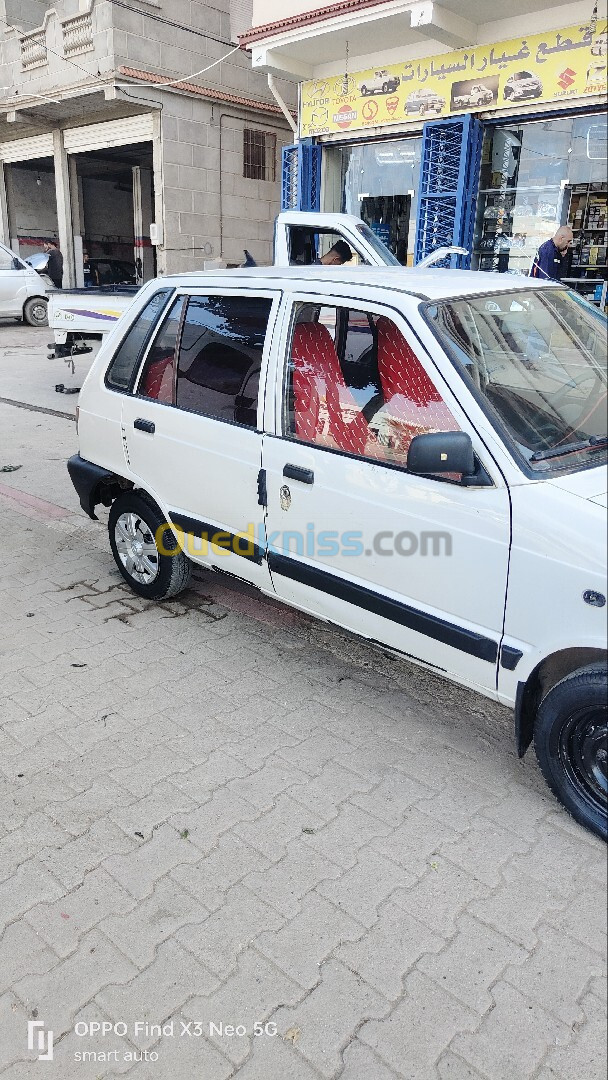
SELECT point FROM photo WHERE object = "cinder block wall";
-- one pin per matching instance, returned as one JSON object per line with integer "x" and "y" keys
{"x": 211, "y": 210}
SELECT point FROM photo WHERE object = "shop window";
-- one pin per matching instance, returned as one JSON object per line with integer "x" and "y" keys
{"x": 534, "y": 178}
{"x": 379, "y": 183}
{"x": 156, "y": 380}
{"x": 122, "y": 370}
{"x": 220, "y": 357}
{"x": 259, "y": 154}
{"x": 355, "y": 384}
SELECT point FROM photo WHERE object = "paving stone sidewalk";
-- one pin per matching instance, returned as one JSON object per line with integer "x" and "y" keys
{"x": 302, "y": 858}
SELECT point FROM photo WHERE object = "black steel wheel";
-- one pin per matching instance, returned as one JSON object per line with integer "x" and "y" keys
{"x": 571, "y": 743}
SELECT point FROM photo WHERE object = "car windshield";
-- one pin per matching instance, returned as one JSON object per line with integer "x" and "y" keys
{"x": 379, "y": 247}
{"x": 538, "y": 359}
{"x": 38, "y": 260}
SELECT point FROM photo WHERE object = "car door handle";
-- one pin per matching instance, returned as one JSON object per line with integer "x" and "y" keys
{"x": 294, "y": 472}
{"x": 145, "y": 425}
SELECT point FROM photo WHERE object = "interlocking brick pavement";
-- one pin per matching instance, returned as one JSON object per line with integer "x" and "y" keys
{"x": 220, "y": 812}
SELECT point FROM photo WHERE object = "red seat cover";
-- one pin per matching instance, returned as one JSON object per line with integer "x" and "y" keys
{"x": 324, "y": 406}
{"x": 158, "y": 379}
{"x": 410, "y": 396}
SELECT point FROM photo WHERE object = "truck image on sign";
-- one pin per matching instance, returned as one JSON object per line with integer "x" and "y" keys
{"x": 382, "y": 82}
{"x": 477, "y": 95}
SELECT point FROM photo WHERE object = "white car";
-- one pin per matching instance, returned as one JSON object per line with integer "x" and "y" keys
{"x": 521, "y": 85}
{"x": 381, "y": 82}
{"x": 22, "y": 290}
{"x": 476, "y": 96}
{"x": 424, "y": 101}
{"x": 416, "y": 455}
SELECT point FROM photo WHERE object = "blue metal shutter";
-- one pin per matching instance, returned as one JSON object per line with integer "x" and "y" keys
{"x": 301, "y": 176}
{"x": 449, "y": 181}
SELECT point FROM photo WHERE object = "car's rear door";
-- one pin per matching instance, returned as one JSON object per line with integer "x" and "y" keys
{"x": 193, "y": 430}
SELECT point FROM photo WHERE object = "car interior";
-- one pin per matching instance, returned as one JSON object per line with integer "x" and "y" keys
{"x": 355, "y": 384}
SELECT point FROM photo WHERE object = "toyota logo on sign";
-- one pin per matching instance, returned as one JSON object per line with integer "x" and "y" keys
{"x": 345, "y": 116}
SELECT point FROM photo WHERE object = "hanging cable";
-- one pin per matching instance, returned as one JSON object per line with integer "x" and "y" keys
{"x": 183, "y": 78}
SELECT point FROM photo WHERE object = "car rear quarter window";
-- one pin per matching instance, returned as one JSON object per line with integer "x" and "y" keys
{"x": 157, "y": 378}
{"x": 220, "y": 356}
{"x": 125, "y": 362}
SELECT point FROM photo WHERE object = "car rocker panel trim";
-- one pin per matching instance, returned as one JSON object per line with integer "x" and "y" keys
{"x": 429, "y": 625}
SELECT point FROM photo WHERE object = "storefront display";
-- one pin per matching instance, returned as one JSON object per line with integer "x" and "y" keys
{"x": 534, "y": 178}
{"x": 379, "y": 183}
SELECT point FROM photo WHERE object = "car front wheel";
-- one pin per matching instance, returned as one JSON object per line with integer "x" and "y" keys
{"x": 570, "y": 739}
{"x": 145, "y": 548}
{"x": 35, "y": 311}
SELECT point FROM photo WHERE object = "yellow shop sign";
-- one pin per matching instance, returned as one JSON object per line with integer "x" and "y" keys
{"x": 560, "y": 65}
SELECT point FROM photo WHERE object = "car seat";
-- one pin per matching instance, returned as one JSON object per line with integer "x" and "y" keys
{"x": 157, "y": 382}
{"x": 317, "y": 382}
{"x": 411, "y": 399}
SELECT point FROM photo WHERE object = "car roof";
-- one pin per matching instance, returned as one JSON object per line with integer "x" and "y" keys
{"x": 429, "y": 284}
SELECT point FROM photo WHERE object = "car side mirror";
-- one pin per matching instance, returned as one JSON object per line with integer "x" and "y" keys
{"x": 18, "y": 265}
{"x": 441, "y": 452}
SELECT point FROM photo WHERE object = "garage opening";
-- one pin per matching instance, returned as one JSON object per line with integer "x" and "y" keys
{"x": 112, "y": 200}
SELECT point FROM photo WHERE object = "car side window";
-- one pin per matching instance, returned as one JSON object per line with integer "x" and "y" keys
{"x": 6, "y": 259}
{"x": 220, "y": 356}
{"x": 363, "y": 390}
{"x": 157, "y": 378}
{"x": 125, "y": 362}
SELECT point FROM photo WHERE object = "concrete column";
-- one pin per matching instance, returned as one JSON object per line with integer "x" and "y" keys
{"x": 137, "y": 224}
{"x": 5, "y": 229}
{"x": 159, "y": 200}
{"x": 147, "y": 212}
{"x": 64, "y": 209}
{"x": 77, "y": 222}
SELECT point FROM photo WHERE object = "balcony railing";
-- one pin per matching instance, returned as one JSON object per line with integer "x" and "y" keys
{"x": 78, "y": 34}
{"x": 33, "y": 50}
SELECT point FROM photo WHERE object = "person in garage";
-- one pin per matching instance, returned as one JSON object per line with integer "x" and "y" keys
{"x": 55, "y": 264}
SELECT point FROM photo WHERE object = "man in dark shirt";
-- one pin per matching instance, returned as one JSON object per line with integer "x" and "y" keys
{"x": 337, "y": 255}
{"x": 551, "y": 258}
{"x": 54, "y": 267}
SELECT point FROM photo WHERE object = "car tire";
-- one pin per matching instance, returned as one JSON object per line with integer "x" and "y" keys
{"x": 385, "y": 88}
{"x": 35, "y": 311}
{"x": 364, "y": 91}
{"x": 570, "y": 744}
{"x": 133, "y": 525}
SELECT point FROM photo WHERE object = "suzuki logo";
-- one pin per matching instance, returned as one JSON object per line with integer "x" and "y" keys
{"x": 44, "y": 1040}
{"x": 566, "y": 78}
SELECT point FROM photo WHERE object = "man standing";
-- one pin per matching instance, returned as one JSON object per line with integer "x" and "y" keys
{"x": 552, "y": 256}
{"x": 55, "y": 264}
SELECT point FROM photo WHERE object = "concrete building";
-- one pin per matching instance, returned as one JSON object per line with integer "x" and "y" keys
{"x": 450, "y": 122}
{"x": 114, "y": 139}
